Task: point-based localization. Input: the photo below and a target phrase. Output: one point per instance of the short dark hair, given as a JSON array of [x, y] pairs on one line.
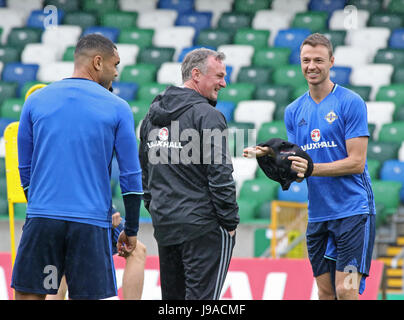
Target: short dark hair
[[316, 39], [96, 42]]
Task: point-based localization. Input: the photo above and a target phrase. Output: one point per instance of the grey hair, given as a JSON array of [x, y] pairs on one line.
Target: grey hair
[[198, 59]]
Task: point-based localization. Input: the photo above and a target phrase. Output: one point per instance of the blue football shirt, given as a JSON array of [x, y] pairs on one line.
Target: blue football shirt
[[321, 130], [67, 136]]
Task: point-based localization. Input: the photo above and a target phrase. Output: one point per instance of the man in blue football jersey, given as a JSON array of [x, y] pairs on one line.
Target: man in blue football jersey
[[68, 133], [329, 122]]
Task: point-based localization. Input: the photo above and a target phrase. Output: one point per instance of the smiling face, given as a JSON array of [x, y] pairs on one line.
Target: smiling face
[[316, 64], [210, 82]]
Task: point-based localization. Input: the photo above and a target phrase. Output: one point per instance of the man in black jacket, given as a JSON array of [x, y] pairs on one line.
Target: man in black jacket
[[188, 184]]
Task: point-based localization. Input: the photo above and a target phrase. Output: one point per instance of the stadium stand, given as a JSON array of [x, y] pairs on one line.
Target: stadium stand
[[261, 40]]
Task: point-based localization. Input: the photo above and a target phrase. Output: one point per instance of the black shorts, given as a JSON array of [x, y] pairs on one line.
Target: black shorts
[[196, 269], [50, 248]]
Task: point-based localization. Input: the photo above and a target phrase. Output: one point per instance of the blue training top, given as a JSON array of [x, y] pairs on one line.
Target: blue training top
[[67, 135], [321, 130]]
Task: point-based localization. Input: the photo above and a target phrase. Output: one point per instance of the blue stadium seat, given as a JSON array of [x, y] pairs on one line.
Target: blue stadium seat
[[291, 38], [397, 39], [393, 170], [180, 5], [294, 57], [198, 20], [109, 32], [340, 75], [36, 18], [20, 73], [327, 5], [2, 3], [184, 51], [4, 122], [227, 108], [297, 192], [125, 90]]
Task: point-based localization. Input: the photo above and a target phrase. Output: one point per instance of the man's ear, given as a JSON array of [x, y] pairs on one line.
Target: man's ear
[[196, 74], [97, 62]]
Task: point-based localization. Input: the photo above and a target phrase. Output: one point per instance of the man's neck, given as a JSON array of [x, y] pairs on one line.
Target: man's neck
[[319, 92]]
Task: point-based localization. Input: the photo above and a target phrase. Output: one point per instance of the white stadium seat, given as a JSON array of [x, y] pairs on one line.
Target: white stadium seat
[[61, 36], [137, 5], [40, 53], [374, 75], [25, 6], [401, 152], [348, 56], [256, 111], [55, 71], [237, 56], [10, 18], [346, 20], [127, 54], [178, 37], [156, 19], [216, 7], [1, 68], [293, 6], [370, 38], [279, 20], [379, 113], [170, 73], [243, 169]]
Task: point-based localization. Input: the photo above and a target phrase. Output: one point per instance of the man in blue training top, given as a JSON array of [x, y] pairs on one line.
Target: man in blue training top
[[67, 136], [329, 122]]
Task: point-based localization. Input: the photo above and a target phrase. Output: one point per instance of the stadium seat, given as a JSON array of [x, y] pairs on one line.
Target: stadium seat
[[138, 5], [251, 6], [119, 19], [261, 190], [291, 38], [297, 192], [216, 7], [279, 20], [177, 37], [233, 21], [25, 6], [263, 213], [186, 50], [280, 94], [338, 20], [273, 129], [373, 168], [108, 32], [384, 19], [68, 55], [237, 56], [328, 6], [39, 53], [246, 210], [401, 153], [55, 71], [337, 37], [382, 151], [372, 129], [170, 73], [127, 54], [9, 19], [289, 75], [139, 109], [312, 20], [393, 93], [243, 169], [392, 170], [148, 91], [143, 38], [363, 91], [9, 54], [397, 39], [213, 38], [227, 108], [340, 75], [348, 56], [197, 20], [380, 113], [7, 90], [100, 6], [255, 75], [369, 5], [241, 135], [11, 108], [271, 57], [370, 38], [396, 6], [394, 57], [140, 73], [374, 75], [178, 5], [80, 18], [236, 92], [292, 6], [19, 72], [162, 18], [392, 132], [294, 57], [19, 37], [255, 111], [66, 6], [61, 37], [387, 193], [256, 38], [125, 90], [40, 19], [156, 55], [398, 75]]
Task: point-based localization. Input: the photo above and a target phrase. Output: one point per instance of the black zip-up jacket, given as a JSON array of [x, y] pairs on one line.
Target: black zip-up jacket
[[187, 179]]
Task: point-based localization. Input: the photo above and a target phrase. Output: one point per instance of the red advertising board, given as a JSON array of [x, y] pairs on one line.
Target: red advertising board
[[248, 279]]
